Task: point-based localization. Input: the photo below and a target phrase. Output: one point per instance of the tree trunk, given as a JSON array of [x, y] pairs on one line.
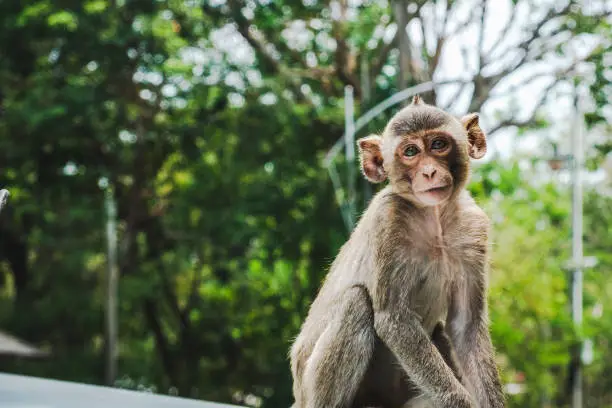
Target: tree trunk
[[400, 10]]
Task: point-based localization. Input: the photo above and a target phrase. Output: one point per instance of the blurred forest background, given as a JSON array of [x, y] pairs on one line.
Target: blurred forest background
[[210, 119]]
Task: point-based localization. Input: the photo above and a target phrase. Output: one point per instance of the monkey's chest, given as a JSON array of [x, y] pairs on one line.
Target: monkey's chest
[[423, 286], [430, 298], [437, 270]]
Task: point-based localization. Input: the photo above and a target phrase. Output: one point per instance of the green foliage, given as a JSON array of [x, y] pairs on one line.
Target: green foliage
[[528, 285], [227, 221]]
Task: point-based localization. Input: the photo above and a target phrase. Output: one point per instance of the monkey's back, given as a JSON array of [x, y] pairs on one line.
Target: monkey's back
[[354, 265]]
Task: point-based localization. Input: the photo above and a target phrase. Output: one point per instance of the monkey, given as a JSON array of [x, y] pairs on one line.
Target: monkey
[[367, 395], [418, 255], [443, 343]]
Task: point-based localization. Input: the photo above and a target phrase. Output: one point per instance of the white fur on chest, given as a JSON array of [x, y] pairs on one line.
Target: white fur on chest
[[442, 269], [437, 292]]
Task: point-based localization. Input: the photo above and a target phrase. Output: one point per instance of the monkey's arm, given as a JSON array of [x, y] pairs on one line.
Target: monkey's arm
[[470, 335], [335, 367], [418, 356]]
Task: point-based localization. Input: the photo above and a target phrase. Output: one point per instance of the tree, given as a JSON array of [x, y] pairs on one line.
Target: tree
[[210, 120]]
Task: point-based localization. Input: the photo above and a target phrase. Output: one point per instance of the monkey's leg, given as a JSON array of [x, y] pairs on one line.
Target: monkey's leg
[[440, 339], [418, 356], [341, 355]]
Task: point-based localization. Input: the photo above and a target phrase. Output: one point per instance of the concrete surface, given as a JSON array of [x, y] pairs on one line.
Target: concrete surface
[[30, 392]]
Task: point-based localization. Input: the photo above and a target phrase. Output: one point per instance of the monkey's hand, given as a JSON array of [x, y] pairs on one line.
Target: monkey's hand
[[405, 337]]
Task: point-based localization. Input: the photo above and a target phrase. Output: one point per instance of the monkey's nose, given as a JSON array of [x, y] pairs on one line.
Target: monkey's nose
[[429, 172]]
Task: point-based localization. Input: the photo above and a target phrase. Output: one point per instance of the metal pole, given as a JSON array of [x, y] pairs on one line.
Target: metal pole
[[349, 134], [577, 250], [366, 94], [111, 288], [4, 195]]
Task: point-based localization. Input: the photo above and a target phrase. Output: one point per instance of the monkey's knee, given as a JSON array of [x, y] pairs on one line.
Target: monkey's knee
[[299, 354], [358, 304], [342, 354]]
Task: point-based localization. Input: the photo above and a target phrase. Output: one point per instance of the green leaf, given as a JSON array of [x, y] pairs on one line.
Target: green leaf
[[63, 18]]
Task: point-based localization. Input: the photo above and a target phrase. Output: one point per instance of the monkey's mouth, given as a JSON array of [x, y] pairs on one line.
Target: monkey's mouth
[[435, 190], [434, 195]]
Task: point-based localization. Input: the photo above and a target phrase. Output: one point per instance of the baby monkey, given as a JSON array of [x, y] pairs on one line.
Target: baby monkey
[[417, 257]]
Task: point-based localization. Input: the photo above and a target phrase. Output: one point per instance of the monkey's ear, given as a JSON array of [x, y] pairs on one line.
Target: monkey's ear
[[371, 158], [477, 139]]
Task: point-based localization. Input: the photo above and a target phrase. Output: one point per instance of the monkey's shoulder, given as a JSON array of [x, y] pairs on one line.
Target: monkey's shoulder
[[468, 214]]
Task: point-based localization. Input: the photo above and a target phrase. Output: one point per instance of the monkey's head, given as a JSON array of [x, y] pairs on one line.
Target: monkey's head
[[424, 152]]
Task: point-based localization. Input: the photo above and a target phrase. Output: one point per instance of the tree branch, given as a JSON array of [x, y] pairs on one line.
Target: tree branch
[[345, 61], [261, 49], [435, 60], [483, 15], [402, 19], [382, 53], [486, 84], [455, 96], [535, 32], [163, 348], [442, 29], [316, 73], [440, 41], [558, 76], [193, 291], [531, 120], [424, 50], [173, 301], [533, 77], [463, 24], [505, 30]]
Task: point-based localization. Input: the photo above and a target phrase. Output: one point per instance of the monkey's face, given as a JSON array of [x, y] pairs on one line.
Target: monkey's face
[[423, 167], [424, 153]]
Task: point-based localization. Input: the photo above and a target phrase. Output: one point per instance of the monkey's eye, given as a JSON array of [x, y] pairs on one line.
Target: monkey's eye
[[439, 144], [411, 151]]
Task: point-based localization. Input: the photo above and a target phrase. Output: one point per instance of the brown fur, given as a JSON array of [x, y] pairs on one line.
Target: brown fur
[[372, 335]]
